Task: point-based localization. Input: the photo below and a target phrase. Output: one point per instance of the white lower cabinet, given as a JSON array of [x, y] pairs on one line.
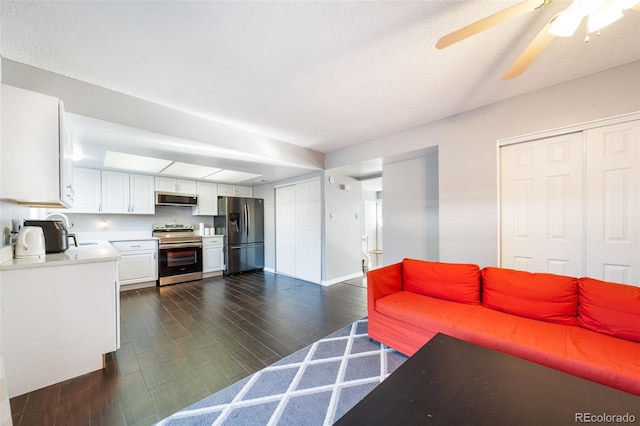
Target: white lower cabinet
[[139, 263], [57, 322], [212, 254]]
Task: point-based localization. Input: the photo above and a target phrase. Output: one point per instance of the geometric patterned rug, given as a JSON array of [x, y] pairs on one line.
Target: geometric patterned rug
[[314, 386]]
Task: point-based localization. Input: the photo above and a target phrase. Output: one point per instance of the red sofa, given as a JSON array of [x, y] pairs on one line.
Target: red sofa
[[585, 327]]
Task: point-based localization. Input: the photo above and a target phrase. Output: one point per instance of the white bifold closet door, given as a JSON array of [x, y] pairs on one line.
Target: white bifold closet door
[[570, 204], [299, 230], [542, 205], [613, 203]]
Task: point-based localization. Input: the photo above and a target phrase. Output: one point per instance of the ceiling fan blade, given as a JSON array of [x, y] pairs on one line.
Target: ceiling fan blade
[[490, 21], [532, 51]]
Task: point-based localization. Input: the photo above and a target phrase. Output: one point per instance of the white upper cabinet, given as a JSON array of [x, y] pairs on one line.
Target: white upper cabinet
[[182, 186], [141, 194], [35, 153], [127, 193], [207, 199], [88, 191], [115, 192], [225, 190]]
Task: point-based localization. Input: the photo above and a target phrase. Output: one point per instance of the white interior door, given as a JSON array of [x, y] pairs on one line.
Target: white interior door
[[542, 205], [612, 203], [308, 231], [286, 230]]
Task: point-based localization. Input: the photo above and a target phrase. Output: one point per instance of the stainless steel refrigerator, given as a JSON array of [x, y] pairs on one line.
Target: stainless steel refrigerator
[[241, 221]]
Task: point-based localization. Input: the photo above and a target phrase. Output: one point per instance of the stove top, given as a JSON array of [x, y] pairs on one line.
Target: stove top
[[175, 233], [174, 227]]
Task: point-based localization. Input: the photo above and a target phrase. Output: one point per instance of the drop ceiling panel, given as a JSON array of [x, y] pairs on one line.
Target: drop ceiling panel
[[193, 171]]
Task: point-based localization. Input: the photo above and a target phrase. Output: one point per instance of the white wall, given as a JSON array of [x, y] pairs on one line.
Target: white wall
[[410, 209], [343, 254], [468, 191]]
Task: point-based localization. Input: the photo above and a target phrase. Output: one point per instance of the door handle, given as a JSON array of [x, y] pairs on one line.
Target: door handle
[[246, 209]]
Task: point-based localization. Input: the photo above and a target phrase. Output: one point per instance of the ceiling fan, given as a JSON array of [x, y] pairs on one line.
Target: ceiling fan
[[599, 14]]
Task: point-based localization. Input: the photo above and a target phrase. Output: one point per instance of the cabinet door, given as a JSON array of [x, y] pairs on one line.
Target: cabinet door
[[244, 191], [165, 184], [226, 190], [219, 258], [142, 195], [207, 199], [208, 258], [30, 147], [67, 188], [186, 186], [115, 192], [87, 190], [137, 267]]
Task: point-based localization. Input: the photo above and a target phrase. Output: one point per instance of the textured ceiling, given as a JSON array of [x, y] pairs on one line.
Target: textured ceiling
[[322, 75]]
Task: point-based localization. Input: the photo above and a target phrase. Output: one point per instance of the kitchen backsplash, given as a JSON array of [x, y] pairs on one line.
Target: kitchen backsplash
[[10, 211], [101, 222], [133, 222]]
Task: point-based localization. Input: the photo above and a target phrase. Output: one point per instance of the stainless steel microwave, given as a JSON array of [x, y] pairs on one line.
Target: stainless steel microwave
[[169, 199]]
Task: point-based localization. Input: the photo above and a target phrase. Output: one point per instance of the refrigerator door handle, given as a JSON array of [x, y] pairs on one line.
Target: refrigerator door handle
[[246, 207]]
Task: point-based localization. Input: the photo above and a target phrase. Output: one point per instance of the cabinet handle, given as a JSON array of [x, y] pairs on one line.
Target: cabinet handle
[[136, 245]]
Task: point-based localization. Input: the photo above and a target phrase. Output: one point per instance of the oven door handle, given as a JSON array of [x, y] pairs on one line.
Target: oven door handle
[[180, 245]]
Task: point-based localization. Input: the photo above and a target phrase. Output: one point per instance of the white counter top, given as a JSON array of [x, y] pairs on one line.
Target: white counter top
[[100, 251]]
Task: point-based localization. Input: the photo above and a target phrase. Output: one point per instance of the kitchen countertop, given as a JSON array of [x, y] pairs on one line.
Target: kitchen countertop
[[100, 251], [114, 236]]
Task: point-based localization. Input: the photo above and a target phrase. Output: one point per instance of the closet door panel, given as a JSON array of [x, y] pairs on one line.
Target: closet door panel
[[286, 230], [541, 213], [613, 203]]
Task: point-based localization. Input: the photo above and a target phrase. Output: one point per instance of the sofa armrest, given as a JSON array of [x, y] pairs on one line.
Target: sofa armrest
[[383, 282]]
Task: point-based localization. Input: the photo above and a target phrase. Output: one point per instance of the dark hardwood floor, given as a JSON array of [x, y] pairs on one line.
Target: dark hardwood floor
[[184, 342]]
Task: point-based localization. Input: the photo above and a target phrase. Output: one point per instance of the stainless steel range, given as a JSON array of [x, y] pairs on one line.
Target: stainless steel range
[[180, 256]]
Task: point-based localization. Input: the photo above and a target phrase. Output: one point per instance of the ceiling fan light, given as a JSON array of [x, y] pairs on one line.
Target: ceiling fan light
[[565, 24], [606, 15]]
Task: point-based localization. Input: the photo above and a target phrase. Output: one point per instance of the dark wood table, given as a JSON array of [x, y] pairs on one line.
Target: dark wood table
[[453, 382]]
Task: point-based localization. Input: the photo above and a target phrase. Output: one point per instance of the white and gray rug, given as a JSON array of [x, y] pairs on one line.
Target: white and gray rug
[[314, 386]]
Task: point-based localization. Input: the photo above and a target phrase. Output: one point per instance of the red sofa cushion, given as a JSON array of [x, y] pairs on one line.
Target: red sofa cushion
[[545, 297], [450, 281], [609, 308]]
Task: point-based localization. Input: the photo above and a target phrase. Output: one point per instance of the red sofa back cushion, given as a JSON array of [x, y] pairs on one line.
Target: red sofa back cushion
[[451, 281], [545, 297], [609, 308]]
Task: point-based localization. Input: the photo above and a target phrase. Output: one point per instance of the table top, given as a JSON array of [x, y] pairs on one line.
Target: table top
[[453, 382]]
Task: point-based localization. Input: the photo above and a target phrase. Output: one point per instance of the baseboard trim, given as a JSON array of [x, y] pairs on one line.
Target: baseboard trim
[[273, 271], [341, 279]]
